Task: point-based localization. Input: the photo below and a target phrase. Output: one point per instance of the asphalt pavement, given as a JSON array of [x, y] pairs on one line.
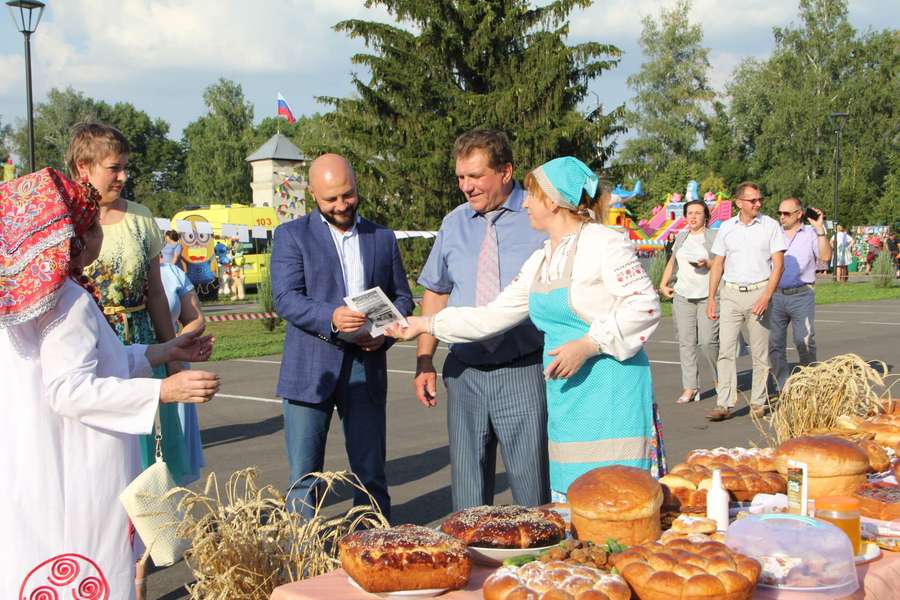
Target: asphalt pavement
[[242, 426]]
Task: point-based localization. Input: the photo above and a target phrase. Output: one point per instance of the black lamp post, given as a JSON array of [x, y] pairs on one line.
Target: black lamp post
[[838, 119], [26, 14]]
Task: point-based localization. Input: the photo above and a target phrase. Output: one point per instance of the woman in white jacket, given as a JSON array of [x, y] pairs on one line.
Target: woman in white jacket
[[587, 292], [73, 410]]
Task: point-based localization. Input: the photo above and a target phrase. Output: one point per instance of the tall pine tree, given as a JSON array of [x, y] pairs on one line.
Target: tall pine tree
[[461, 65]]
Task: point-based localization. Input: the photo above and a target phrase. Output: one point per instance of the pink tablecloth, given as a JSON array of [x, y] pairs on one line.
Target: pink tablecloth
[[879, 580]]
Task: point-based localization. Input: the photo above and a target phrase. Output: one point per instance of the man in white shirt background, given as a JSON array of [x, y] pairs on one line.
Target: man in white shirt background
[[749, 256]]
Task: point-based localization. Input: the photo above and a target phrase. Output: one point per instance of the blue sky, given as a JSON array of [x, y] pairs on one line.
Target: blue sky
[[160, 54]]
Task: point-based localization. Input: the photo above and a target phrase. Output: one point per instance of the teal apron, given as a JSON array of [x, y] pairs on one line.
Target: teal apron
[[604, 414]]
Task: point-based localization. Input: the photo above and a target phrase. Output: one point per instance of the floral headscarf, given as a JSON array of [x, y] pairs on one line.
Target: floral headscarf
[[40, 213]]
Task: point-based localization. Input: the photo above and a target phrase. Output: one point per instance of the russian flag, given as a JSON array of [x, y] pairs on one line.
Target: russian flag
[[284, 109]]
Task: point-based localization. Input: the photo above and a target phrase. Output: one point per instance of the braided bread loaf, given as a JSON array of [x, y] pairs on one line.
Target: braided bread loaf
[[506, 527], [682, 570], [554, 581], [758, 459], [742, 482]]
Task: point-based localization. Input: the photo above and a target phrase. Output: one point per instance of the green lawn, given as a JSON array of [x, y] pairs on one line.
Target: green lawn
[[244, 339]]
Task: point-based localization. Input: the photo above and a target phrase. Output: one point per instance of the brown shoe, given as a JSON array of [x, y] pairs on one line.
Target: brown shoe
[[759, 411], [719, 413]]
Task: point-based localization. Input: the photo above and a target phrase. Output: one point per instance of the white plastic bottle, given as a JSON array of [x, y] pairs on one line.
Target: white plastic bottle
[[717, 502]]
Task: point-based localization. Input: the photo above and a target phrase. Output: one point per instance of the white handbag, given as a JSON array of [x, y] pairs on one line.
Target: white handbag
[[153, 513]]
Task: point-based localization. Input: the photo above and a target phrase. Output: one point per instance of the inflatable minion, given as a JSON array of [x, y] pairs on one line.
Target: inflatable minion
[[198, 254]]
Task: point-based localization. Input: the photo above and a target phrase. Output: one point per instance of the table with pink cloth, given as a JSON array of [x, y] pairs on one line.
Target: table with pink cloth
[[879, 580]]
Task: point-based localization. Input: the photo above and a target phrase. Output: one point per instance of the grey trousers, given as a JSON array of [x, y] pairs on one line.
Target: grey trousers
[[798, 310], [486, 406], [734, 312], [695, 332]]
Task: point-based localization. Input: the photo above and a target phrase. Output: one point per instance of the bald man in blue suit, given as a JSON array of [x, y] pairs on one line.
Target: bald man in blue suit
[[328, 362]]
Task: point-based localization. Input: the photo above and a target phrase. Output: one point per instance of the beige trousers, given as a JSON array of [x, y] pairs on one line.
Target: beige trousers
[[734, 312]]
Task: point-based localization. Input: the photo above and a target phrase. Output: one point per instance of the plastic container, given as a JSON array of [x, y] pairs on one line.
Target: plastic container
[[843, 513], [717, 499], [800, 556]]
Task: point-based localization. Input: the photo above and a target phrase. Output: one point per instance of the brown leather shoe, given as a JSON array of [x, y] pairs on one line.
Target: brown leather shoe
[[719, 413], [759, 411]]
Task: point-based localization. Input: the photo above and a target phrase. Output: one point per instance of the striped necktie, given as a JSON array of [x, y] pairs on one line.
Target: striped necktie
[[487, 279]]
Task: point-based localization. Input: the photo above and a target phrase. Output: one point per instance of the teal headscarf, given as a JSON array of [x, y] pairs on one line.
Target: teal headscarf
[[564, 179]]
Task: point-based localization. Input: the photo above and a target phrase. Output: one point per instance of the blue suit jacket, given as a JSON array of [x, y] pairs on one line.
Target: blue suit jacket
[[307, 285]]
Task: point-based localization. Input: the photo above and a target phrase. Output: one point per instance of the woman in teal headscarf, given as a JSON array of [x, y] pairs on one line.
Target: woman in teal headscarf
[[587, 292]]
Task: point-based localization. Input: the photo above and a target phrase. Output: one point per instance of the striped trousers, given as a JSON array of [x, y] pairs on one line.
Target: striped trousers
[[491, 405]]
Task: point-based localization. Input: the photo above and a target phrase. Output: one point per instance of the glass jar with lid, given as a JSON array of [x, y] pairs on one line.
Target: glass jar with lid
[[843, 513]]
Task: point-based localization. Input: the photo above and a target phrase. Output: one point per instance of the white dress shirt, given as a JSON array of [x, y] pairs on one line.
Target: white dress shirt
[[347, 245], [748, 249], [610, 290]]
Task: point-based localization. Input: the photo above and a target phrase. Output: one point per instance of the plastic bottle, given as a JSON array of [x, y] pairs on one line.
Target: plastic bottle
[[717, 502]]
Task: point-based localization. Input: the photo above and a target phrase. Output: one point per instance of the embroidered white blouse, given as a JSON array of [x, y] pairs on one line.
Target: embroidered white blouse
[[610, 290], [69, 448]]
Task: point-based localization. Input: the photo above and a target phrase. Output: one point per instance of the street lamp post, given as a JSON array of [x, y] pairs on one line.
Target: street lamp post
[[838, 119], [23, 15]]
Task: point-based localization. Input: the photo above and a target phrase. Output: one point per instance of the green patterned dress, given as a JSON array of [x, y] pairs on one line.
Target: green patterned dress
[[122, 276]]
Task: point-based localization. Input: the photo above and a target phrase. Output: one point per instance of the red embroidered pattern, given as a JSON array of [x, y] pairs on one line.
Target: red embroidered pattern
[[64, 576], [629, 272], [37, 214]]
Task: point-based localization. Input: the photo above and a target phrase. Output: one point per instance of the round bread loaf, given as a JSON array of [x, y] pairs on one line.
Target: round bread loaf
[[506, 527], [835, 467], [407, 557], [685, 569], [554, 580], [616, 502]]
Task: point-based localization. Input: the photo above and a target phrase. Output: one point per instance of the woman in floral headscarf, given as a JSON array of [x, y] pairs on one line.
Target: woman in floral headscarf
[[587, 292], [71, 411]]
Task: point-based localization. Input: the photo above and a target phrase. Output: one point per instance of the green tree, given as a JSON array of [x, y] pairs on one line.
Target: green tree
[[311, 134], [155, 160], [5, 135], [53, 122], [217, 144], [671, 99], [780, 110], [461, 65]]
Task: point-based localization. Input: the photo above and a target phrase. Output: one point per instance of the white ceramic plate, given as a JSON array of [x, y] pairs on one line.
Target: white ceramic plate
[[870, 552], [494, 556], [430, 593]]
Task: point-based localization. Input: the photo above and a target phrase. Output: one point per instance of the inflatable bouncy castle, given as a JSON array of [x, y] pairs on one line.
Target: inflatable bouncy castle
[[650, 234]]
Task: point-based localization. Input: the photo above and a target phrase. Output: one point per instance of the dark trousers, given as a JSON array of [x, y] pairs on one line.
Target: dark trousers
[[363, 419]]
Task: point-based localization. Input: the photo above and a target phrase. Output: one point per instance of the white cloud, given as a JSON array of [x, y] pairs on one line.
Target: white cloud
[[12, 73], [160, 54], [88, 42]]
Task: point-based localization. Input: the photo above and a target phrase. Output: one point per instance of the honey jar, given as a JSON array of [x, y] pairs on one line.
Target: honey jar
[[843, 513]]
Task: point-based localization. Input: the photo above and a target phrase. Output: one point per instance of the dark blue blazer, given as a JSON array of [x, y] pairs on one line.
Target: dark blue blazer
[[307, 285]]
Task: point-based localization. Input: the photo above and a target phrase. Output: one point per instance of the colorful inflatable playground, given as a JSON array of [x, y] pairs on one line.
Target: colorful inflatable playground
[[649, 235]]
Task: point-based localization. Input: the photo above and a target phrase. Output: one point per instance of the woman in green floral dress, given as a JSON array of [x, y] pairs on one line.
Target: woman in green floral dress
[[126, 274]]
